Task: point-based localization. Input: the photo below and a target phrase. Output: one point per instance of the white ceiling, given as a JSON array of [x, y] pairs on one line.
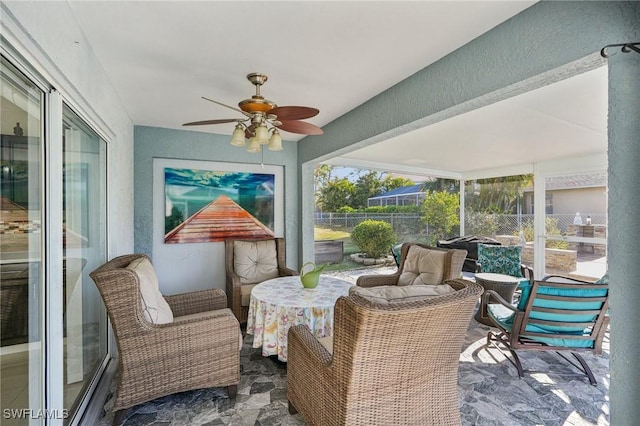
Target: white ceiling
[[163, 56]]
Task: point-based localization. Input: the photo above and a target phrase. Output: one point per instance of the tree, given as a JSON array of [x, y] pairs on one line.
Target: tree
[[389, 183], [496, 195], [337, 193], [322, 175], [368, 185], [441, 214], [440, 184]]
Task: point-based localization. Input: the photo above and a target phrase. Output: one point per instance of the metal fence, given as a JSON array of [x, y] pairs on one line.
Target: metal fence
[[481, 224]]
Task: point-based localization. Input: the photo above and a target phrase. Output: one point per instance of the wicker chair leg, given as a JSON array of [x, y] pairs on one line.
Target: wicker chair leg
[[118, 417], [232, 391], [292, 409]]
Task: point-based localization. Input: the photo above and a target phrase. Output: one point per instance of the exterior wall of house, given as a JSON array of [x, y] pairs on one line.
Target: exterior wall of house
[[583, 200], [545, 43], [203, 266], [569, 201]]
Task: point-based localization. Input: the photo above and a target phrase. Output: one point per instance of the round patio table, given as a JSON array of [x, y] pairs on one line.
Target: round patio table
[[504, 285], [280, 303]]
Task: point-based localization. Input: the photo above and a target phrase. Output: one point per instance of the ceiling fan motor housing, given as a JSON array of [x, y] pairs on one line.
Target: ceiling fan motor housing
[[256, 104]]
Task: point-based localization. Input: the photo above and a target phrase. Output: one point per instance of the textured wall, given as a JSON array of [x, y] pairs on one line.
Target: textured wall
[[624, 233], [204, 266]]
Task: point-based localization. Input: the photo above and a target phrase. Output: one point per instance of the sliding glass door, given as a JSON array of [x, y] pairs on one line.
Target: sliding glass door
[[21, 246], [84, 249], [53, 233]]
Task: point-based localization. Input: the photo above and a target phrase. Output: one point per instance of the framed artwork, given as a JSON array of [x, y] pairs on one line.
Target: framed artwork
[[207, 205], [209, 201]]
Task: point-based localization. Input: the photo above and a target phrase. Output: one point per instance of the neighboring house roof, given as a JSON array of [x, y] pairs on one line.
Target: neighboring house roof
[[593, 180], [404, 190]]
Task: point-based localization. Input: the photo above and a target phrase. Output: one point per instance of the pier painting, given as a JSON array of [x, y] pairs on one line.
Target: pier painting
[[206, 206]]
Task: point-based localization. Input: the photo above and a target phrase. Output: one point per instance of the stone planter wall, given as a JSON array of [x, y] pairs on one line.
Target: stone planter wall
[[555, 259]]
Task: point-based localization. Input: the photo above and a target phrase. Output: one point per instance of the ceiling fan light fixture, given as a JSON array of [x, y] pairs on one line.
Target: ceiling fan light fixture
[[254, 145], [275, 143], [262, 134], [237, 137]]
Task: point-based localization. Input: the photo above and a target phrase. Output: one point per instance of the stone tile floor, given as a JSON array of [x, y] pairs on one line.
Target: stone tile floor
[[490, 392]]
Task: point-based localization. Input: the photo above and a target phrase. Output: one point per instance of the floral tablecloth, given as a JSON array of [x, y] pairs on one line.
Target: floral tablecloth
[[280, 303]]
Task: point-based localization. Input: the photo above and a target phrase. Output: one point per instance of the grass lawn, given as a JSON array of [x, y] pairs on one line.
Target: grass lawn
[[329, 234]]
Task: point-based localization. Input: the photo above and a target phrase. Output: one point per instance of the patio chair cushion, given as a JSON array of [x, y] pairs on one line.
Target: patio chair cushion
[[500, 259], [504, 317], [255, 261], [423, 266], [526, 291], [156, 310], [390, 294]]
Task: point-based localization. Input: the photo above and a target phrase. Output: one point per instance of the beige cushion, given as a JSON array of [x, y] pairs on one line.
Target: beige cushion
[[155, 309], [327, 342], [423, 266], [255, 261], [245, 293], [392, 294]]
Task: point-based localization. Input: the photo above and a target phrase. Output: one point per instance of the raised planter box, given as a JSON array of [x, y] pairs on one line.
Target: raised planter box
[[328, 251], [555, 259]]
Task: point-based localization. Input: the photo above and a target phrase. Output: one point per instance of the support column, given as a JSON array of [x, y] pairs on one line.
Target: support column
[[624, 226]]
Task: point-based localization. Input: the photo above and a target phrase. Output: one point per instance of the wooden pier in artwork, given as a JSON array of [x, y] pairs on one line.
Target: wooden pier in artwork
[[220, 219]]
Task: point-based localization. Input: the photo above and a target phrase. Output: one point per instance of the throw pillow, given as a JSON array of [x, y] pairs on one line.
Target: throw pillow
[[255, 261], [423, 266], [156, 310], [500, 259]]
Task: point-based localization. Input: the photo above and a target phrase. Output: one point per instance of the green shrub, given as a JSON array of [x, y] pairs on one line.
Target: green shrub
[[374, 237], [551, 228], [346, 209]]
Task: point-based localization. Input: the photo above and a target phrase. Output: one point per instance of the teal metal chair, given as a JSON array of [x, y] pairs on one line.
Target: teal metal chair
[[568, 316]]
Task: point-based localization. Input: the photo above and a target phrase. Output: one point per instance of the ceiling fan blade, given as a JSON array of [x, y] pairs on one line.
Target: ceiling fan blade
[[227, 106], [293, 112], [202, 123], [300, 127]]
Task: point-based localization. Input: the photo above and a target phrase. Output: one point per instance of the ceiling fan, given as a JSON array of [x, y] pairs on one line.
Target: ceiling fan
[[261, 117]]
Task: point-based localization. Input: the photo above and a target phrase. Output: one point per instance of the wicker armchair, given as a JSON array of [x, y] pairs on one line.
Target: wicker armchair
[[393, 364], [261, 259], [436, 264], [199, 349]]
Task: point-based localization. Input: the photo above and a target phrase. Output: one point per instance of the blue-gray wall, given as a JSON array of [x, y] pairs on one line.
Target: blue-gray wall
[[545, 43], [205, 259]]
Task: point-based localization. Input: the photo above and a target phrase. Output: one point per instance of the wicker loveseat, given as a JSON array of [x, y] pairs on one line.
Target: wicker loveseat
[[198, 348], [390, 363]]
